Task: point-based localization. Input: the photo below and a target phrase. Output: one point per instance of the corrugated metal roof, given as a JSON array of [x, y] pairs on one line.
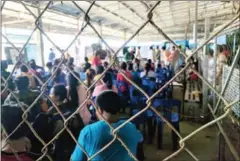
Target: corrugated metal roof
[[115, 16]]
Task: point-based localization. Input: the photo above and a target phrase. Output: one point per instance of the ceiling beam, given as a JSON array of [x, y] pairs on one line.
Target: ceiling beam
[[132, 10], [113, 13]]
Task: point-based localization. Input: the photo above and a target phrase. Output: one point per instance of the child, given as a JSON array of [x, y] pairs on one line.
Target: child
[[95, 136]]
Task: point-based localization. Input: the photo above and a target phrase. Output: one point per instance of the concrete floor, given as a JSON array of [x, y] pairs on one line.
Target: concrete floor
[[203, 145]]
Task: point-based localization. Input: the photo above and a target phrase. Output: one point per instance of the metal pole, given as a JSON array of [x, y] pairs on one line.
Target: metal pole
[[205, 70], [215, 68], [100, 29], [196, 24], [40, 39]]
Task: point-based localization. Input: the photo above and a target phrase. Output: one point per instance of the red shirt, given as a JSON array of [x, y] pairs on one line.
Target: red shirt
[[120, 77], [11, 157], [96, 61]]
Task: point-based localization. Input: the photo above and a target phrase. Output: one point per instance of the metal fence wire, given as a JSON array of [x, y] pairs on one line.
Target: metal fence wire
[[87, 22]]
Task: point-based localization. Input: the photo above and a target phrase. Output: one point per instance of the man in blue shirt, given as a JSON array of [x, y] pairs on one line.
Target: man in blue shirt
[[95, 136], [51, 56]]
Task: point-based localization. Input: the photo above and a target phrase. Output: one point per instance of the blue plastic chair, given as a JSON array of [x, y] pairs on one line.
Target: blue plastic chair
[[150, 84], [172, 117]]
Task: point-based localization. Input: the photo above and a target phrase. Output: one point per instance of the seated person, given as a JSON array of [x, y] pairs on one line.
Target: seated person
[[121, 78], [107, 84], [83, 95], [27, 96], [95, 136], [135, 74], [99, 71], [148, 72], [17, 142], [25, 72]]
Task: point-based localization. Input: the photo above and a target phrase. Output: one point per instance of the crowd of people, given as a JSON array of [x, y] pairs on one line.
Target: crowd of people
[[64, 91]]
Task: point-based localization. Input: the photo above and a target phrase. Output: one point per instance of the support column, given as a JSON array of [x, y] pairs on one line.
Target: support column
[[100, 31], [195, 24], [215, 67], [40, 40], [205, 71]]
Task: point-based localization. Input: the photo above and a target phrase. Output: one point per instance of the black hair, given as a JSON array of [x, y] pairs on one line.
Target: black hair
[[105, 64], [99, 69], [210, 52], [157, 47], [159, 66], [151, 47], [60, 91], [32, 64], [107, 79], [49, 65], [23, 68], [86, 59], [109, 102], [90, 73], [123, 66], [139, 47], [22, 83], [11, 117], [163, 47], [147, 68], [174, 47], [130, 66], [73, 83], [220, 48], [149, 61], [56, 62]]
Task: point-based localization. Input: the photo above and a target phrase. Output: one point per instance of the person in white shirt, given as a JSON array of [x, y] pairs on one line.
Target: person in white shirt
[[138, 53], [211, 67], [151, 54], [221, 60], [147, 73], [188, 51]]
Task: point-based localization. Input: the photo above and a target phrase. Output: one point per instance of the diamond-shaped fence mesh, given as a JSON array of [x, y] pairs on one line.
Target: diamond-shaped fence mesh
[[149, 98]]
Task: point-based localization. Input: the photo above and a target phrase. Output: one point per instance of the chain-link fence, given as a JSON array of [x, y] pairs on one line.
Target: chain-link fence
[[87, 22]]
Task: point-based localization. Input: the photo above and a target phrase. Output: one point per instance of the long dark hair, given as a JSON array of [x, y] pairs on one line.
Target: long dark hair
[[147, 68], [107, 79], [89, 76], [73, 83]]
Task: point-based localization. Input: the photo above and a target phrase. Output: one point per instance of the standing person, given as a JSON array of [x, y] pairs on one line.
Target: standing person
[[211, 67], [96, 60], [95, 136], [51, 56], [158, 54], [151, 54], [87, 65], [221, 61], [174, 58], [188, 51], [165, 54], [138, 54]]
